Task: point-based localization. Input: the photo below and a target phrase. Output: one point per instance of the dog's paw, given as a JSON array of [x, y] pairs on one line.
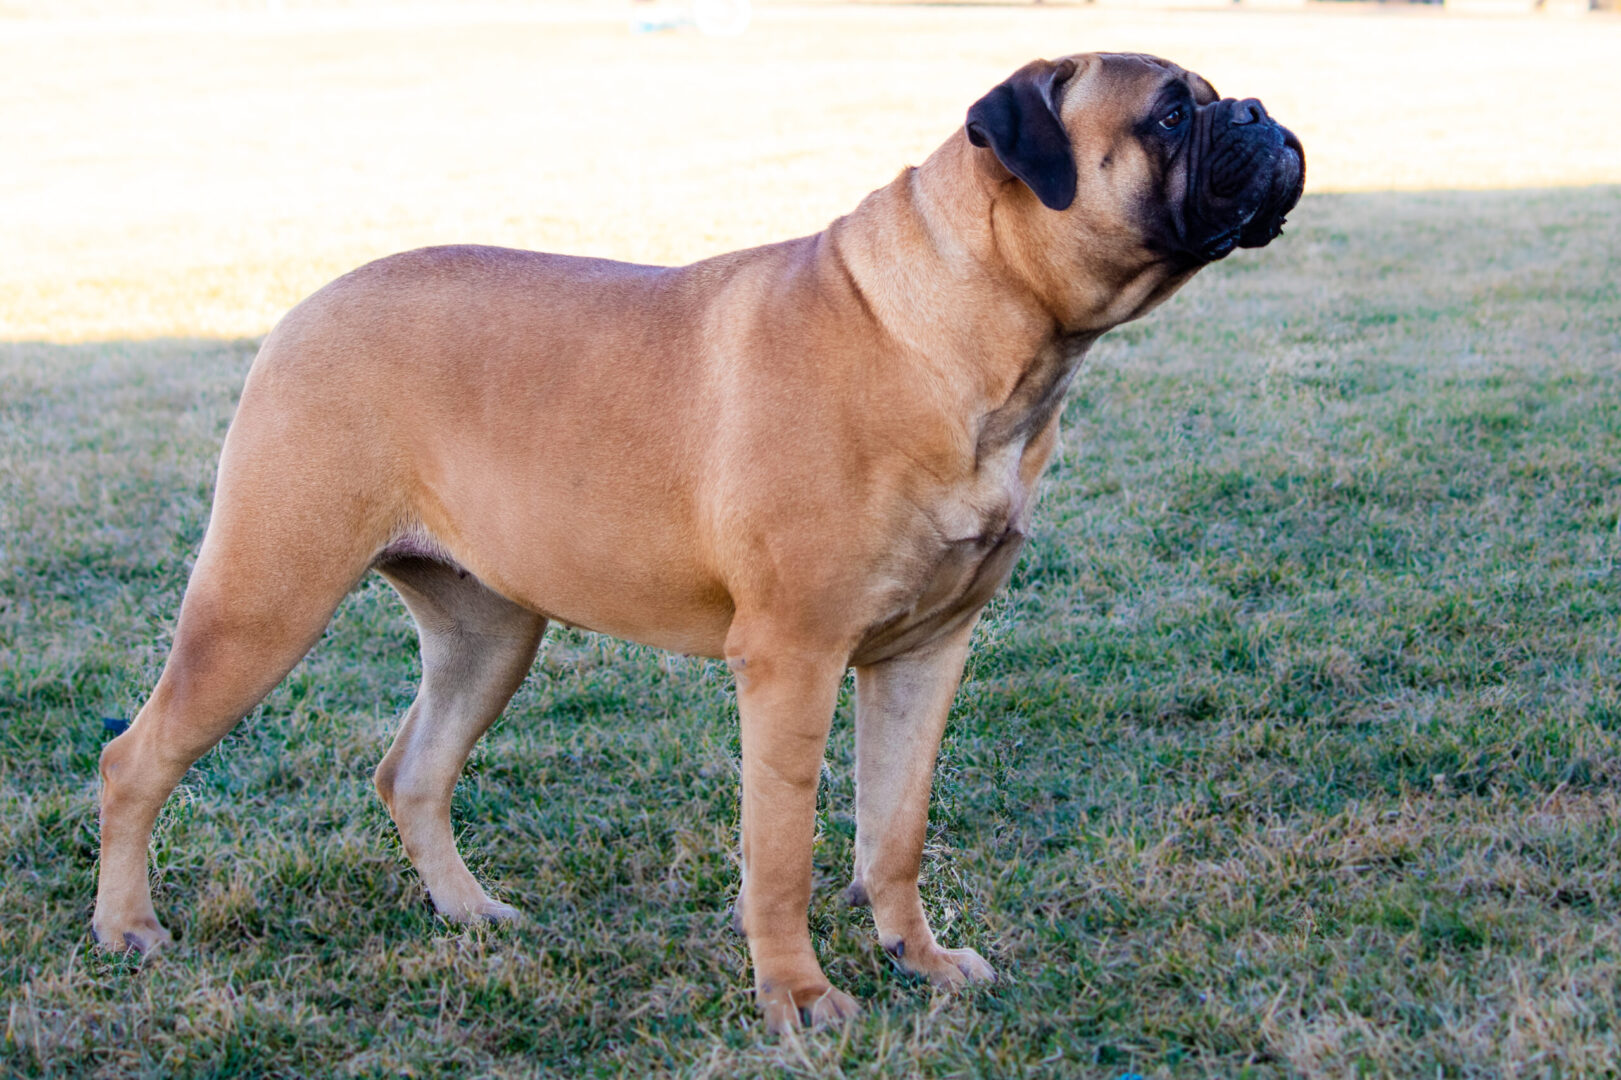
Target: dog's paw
[[495, 912], [466, 902], [786, 1010], [482, 910], [144, 936], [947, 969]]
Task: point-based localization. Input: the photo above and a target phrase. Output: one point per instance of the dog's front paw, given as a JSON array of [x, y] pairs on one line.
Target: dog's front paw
[[493, 911], [144, 935], [948, 969], [816, 1005], [480, 909]]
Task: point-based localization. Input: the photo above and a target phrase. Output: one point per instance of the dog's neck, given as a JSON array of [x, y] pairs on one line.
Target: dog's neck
[[1010, 355]]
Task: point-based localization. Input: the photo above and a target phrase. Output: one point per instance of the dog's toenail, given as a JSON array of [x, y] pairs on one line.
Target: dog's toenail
[[896, 950]]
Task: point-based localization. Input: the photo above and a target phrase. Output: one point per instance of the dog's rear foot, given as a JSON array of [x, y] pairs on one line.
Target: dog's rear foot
[[143, 935]]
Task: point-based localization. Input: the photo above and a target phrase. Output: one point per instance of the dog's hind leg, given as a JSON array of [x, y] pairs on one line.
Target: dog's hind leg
[[279, 555], [476, 649]]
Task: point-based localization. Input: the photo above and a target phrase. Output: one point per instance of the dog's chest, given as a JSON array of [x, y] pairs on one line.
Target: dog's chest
[[964, 550], [990, 502]]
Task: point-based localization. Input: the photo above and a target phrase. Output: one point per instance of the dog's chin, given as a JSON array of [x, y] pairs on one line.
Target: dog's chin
[[1288, 182], [1261, 221]]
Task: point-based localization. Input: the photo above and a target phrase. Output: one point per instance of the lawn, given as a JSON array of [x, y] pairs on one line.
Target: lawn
[[1291, 750]]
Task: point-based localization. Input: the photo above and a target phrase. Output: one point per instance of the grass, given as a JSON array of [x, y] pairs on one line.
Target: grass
[[1291, 750]]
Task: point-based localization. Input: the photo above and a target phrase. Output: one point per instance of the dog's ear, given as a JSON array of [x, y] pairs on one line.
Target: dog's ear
[[1019, 121]]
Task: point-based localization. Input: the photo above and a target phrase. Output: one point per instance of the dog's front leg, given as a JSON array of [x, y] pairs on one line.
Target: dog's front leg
[[785, 696], [901, 709]]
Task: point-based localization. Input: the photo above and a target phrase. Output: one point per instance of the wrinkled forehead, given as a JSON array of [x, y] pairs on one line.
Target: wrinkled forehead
[[1130, 77]]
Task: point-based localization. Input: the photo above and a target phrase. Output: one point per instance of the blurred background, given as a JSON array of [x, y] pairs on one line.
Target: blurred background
[[193, 167]]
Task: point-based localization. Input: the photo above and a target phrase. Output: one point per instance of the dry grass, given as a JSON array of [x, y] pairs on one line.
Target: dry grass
[[1291, 751]]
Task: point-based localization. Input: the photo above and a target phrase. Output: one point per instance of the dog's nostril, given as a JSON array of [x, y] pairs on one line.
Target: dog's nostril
[[1248, 111]]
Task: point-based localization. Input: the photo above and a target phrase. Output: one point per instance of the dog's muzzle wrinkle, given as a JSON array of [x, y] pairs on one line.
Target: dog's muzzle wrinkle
[[1249, 172]]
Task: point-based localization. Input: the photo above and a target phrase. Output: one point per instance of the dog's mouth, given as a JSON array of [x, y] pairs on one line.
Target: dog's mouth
[[1249, 171]]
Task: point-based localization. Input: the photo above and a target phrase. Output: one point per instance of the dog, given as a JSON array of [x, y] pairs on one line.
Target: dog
[[802, 458]]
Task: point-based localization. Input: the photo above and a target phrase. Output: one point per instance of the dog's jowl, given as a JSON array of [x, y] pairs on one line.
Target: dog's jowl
[[802, 458]]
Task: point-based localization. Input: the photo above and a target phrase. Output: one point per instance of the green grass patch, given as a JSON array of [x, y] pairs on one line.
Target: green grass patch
[[1291, 750]]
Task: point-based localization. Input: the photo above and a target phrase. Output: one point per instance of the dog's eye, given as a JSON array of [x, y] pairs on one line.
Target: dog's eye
[[1172, 119]]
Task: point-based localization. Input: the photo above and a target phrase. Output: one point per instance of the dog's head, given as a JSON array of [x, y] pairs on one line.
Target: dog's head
[[1119, 161]]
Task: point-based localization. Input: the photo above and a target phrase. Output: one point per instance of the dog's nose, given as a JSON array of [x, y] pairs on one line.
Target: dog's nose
[[1248, 111]]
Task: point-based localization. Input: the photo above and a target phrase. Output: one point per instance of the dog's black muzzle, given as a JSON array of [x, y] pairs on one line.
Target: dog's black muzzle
[[1248, 171]]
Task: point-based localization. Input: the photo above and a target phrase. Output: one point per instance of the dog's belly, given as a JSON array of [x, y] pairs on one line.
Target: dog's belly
[[580, 570], [691, 620]]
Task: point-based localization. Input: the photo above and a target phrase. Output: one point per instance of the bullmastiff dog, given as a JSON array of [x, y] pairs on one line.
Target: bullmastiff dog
[[802, 458]]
